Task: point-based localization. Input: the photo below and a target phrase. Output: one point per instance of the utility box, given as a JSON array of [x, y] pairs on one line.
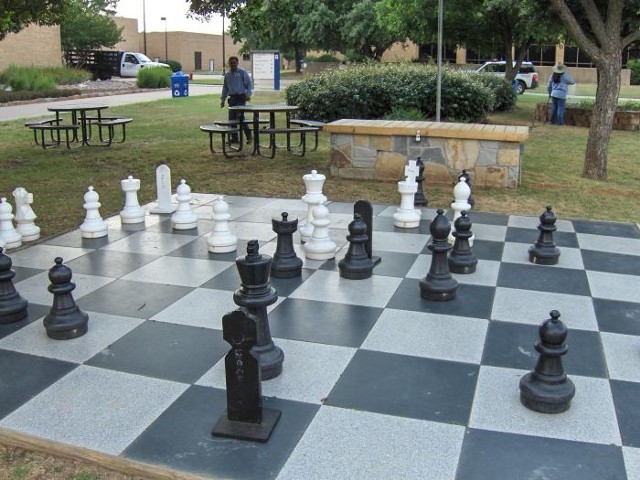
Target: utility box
[[179, 85]]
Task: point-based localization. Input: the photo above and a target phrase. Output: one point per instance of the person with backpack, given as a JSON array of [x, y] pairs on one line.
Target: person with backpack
[[557, 87]]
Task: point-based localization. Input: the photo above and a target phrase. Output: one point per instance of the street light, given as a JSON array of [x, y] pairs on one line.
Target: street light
[[224, 58], [166, 43], [144, 25]]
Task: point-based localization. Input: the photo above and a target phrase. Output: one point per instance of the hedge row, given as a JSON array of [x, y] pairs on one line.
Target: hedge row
[[375, 90]]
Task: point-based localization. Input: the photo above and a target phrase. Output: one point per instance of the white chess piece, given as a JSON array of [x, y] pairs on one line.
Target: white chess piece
[[221, 240], [320, 246], [132, 211], [163, 190], [313, 182], [406, 215], [184, 218], [8, 234], [93, 226], [461, 194], [25, 216]]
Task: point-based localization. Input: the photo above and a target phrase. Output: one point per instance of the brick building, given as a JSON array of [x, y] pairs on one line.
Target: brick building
[[34, 45]]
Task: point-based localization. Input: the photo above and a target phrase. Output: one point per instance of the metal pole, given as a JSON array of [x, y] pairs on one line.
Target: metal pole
[[166, 43], [144, 25], [224, 55], [439, 70]]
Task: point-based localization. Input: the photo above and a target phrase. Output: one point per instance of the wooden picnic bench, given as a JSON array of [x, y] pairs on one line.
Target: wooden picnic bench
[[53, 128]]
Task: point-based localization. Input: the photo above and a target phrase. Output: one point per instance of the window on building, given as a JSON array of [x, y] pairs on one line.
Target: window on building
[[246, 57], [197, 60]]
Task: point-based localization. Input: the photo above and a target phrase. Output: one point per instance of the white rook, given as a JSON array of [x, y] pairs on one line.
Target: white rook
[[163, 189], [132, 211]]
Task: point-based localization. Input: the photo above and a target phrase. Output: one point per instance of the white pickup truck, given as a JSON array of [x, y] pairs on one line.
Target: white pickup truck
[[104, 63], [132, 62]]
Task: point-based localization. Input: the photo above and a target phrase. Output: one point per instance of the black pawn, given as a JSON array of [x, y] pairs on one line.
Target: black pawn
[[244, 417], [544, 251], [255, 294], [467, 179], [547, 389], [286, 263], [462, 259], [439, 285], [419, 200], [356, 265], [65, 320], [13, 307]]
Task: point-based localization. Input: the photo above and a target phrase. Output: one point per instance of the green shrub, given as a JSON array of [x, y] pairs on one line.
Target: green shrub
[[634, 66], [154, 77], [175, 65], [325, 57], [31, 95], [505, 96], [40, 78], [402, 113], [374, 90]]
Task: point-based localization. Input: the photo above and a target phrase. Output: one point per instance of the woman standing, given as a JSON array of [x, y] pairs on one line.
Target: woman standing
[[557, 87]]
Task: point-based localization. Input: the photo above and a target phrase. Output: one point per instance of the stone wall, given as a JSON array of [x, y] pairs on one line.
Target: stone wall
[[581, 117], [491, 162]]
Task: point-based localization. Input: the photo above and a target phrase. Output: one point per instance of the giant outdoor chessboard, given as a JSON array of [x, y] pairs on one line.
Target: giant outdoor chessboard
[[377, 383]]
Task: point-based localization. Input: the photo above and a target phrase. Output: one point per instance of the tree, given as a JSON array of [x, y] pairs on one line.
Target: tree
[[87, 25], [496, 26], [17, 14], [602, 29]]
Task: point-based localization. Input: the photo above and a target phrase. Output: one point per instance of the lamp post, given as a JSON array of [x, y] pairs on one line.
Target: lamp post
[[224, 56], [144, 25], [166, 43], [439, 70]]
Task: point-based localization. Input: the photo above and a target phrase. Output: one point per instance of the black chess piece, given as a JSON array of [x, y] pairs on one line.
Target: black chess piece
[[356, 264], [439, 285], [544, 251], [13, 307], [255, 294], [547, 389], [365, 210], [419, 200], [65, 320], [462, 259], [467, 179], [244, 417], [286, 264]]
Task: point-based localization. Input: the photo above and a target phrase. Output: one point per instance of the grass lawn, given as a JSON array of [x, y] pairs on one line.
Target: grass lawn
[[167, 131]]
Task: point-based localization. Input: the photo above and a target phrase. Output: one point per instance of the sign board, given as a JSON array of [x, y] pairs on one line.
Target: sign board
[[265, 68]]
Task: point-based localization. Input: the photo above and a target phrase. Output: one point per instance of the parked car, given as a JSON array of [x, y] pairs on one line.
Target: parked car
[[527, 76]]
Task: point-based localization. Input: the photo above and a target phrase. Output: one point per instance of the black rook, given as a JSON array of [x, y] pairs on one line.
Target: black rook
[[286, 263]]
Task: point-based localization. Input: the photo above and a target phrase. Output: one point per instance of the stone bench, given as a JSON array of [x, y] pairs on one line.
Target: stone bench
[[379, 150]]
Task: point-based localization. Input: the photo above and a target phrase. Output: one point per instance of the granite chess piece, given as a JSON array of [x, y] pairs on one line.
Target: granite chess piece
[[132, 212], [439, 285], [13, 307], [419, 199], [65, 320], [93, 226], [286, 264], [255, 294], [356, 264], [25, 217], [467, 179], [184, 218], [163, 190], [544, 251], [244, 418], [547, 389], [221, 239], [8, 234], [462, 259]]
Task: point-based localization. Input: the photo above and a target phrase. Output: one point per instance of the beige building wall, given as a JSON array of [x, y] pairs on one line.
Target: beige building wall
[[401, 52], [130, 38], [34, 45], [182, 46]]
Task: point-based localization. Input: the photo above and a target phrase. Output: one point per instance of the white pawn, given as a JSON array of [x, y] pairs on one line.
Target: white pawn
[[406, 215], [132, 211], [461, 194], [25, 216], [184, 218], [313, 197], [221, 240], [93, 226], [8, 234], [320, 246]]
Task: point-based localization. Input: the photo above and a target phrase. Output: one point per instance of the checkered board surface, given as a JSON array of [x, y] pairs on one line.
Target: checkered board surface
[[377, 382]]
